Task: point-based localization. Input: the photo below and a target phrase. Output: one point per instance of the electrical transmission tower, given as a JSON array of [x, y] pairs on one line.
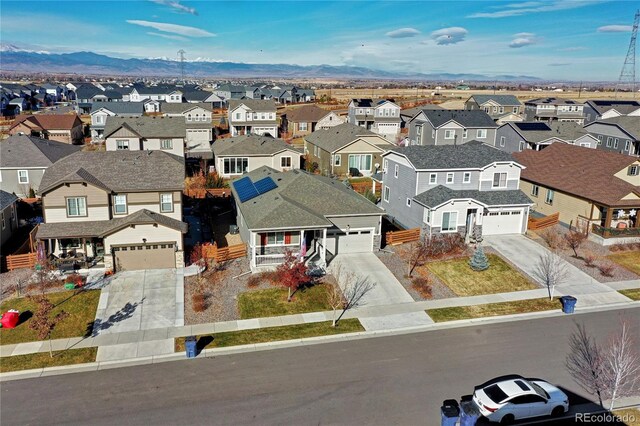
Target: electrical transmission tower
[[181, 52], [628, 73]]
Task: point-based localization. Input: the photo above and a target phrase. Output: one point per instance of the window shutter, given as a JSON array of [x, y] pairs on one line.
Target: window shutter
[[263, 239], [287, 237]]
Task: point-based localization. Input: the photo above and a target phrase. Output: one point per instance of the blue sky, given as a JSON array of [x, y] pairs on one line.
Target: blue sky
[[551, 39]]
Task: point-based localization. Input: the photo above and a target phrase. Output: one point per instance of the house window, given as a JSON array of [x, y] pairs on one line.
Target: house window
[[285, 162], [396, 169], [609, 141], [634, 171], [408, 202], [599, 139], [426, 217], [99, 119], [189, 117], [450, 177], [76, 206], [235, 166], [386, 194], [503, 141], [238, 116], [23, 176], [122, 144], [433, 178], [196, 117], [120, 204], [316, 151], [501, 110], [302, 126], [449, 222], [275, 238], [499, 180], [535, 189], [360, 161], [515, 110], [465, 134], [615, 143], [337, 160], [549, 199], [166, 144], [449, 134], [521, 147], [466, 177], [481, 134], [627, 145], [166, 202]]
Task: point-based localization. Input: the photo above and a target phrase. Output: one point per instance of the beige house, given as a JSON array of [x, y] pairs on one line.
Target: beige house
[[65, 128], [307, 119], [145, 133], [345, 149], [120, 208]]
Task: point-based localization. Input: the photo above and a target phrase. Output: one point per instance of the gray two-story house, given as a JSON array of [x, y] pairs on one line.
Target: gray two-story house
[[451, 127], [552, 109], [100, 111], [619, 134], [516, 137], [502, 108], [600, 109], [380, 116], [470, 189]]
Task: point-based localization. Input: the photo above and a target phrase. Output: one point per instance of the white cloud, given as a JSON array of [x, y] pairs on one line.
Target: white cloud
[[525, 8], [522, 40], [615, 29], [175, 5], [169, 36], [450, 35], [173, 28], [403, 33]]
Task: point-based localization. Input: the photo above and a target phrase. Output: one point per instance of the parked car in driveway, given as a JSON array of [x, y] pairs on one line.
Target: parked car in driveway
[[510, 398]]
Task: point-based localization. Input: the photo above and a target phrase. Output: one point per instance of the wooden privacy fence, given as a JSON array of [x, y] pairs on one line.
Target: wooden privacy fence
[[535, 224], [202, 193], [18, 261], [222, 254], [401, 237], [361, 187]]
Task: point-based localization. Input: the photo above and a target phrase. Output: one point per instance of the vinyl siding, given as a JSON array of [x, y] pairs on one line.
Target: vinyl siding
[[458, 177], [56, 198], [10, 181], [512, 139], [568, 206], [401, 188], [356, 222], [513, 177], [133, 235]]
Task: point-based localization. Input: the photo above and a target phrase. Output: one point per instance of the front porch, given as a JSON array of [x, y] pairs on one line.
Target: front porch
[[268, 249], [68, 254], [613, 225]]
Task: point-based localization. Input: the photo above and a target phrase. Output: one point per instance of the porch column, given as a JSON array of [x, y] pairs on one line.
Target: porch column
[[323, 253], [49, 246], [253, 248]]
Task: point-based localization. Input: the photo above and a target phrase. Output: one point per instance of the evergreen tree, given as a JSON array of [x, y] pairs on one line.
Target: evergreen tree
[[479, 261]]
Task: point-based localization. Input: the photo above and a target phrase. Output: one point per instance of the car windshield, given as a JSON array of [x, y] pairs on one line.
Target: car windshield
[[543, 393], [496, 394]]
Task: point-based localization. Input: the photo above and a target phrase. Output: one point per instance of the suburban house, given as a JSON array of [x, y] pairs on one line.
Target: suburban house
[[515, 137], [17, 106], [306, 119], [65, 128], [202, 96], [346, 149], [471, 189], [155, 93], [551, 109], [24, 159], [313, 216], [9, 216], [230, 91], [84, 94], [101, 111], [145, 133], [618, 134], [501, 108], [198, 127], [600, 109], [408, 113], [252, 116], [451, 127], [121, 208], [243, 154], [381, 116], [591, 189]]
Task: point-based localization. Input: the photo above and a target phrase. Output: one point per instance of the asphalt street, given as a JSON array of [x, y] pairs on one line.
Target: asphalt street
[[397, 380]]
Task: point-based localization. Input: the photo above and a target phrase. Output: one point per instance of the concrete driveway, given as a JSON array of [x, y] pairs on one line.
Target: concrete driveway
[[141, 300]]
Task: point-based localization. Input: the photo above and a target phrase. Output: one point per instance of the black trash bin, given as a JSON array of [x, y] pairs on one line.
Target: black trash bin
[[449, 412], [568, 304], [190, 346], [469, 413]]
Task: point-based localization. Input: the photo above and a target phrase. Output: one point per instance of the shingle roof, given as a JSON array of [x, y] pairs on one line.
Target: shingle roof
[[179, 108], [630, 124], [87, 91], [504, 100], [254, 104], [156, 90], [439, 195], [50, 121], [307, 113], [301, 200], [120, 108], [468, 119], [6, 199], [118, 171], [471, 155], [196, 95], [565, 130], [102, 228], [552, 101], [585, 172], [336, 137], [148, 127], [30, 151], [251, 145], [623, 107]]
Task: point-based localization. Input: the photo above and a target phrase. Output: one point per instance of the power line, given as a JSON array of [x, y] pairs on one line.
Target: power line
[[181, 52], [628, 73]]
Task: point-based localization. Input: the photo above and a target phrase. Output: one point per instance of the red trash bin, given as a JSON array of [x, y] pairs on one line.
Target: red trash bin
[[10, 319]]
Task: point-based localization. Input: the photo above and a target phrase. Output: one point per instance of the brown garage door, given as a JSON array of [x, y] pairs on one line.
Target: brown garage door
[[147, 256]]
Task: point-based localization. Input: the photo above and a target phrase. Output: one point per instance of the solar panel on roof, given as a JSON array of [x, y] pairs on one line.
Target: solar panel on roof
[[245, 189], [265, 185], [532, 126]]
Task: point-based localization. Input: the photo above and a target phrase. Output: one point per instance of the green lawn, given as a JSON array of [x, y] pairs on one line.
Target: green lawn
[[80, 306], [632, 293], [628, 259], [464, 281], [273, 334], [40, 360], [272, 302], [493, 309]]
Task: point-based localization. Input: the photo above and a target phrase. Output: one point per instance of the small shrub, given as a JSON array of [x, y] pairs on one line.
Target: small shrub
[[589, 259], [370, 195], [606, 268], [551, 237], [254, 280], [574, 240], [271, 277], [423, 286], [199, 302]]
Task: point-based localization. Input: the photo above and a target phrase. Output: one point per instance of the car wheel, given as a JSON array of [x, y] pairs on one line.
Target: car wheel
[[507, 419], [557, 412]]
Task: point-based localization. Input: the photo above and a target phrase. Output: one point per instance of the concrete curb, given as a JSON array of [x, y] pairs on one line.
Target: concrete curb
[[307, 341]]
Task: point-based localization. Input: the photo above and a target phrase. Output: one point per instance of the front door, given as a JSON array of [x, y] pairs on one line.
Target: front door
[[471, 220]]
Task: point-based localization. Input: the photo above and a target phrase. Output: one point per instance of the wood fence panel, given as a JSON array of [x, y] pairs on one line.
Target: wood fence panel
[[361, 187], [401, 237], [223, 254], [535, 224], [18, 261]]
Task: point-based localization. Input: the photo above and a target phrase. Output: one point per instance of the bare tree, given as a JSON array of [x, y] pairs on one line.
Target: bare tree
[[43, 320], [551, 270], [574, 240], [585, 362], [21, 278], [354, 288], [335, 299], [416, 253], [621, 367]]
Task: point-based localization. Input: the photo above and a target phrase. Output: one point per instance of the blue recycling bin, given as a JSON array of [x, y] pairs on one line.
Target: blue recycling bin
[[568, 304], [449, 412], [469, 413], [190, 345]]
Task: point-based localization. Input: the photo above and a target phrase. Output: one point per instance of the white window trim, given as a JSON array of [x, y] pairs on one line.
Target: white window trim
[[77, 215], [503, 141], [506, 176], [426, 216], [290, 162], [170, 144], [442, 219], [276, 243], [337, 159], [449, 132], [386, 194], [466, 177], [434, 180], [26, 173], [396, 169], [125, 204], [451, 178], [535, 190], [162, 210], [548, 200], [408, 202], [481, 134]]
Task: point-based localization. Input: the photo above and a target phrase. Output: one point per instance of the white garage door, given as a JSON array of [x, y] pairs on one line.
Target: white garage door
[[146, 256], [351, 242], [504, 222]]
